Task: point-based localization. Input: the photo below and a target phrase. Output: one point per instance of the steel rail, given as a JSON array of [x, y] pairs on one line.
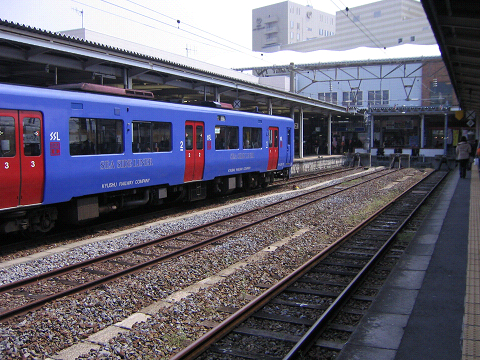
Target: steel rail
[[56, 272], [306, 341], [203, 343], [38, 303]]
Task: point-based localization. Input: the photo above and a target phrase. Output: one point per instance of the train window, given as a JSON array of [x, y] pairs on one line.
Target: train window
[[188, 137], [142, 137], [151, 136], [95, 136], [31, 136], [199, 139], [226, 137], [7, 136], [272, 138], [161, 135], [252, 138]]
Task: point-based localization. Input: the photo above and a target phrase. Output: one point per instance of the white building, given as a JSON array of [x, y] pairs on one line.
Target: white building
[[380, 24], [288, 23]]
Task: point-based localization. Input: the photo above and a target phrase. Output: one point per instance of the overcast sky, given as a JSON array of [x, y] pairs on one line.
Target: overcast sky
[[208, 29]]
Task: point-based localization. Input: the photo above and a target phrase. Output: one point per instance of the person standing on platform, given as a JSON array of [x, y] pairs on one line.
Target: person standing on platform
[[477, 157], [463, 155]]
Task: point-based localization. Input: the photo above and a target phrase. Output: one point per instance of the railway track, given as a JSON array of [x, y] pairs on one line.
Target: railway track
[[12, 244], [294, 318], [29, 294]]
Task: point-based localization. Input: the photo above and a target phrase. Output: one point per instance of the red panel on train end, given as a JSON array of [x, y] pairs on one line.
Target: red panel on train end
[[10, 159]]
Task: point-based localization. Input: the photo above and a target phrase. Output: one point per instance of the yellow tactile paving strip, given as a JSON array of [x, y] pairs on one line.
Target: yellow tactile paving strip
[[471, 319]]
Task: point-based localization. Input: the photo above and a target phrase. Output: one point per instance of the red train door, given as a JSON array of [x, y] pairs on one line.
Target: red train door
[[194, 151], [21, 152], [272, 148], [31, 157], [10, 157]]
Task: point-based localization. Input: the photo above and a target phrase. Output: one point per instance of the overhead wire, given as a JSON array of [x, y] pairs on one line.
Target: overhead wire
[[371, 37], [194, 27], [210, 41]]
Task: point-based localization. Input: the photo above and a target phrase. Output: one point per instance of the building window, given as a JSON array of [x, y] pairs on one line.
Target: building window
[[378, 97], [441, 93], [412, 38], [352, 98], [330, 97], [292, 24], [377, 14], [298, 36], [400, 40], [291, 35]]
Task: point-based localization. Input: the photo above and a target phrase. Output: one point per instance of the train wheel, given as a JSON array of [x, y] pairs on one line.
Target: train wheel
[[43, 220], [46, 223], [251, 181]]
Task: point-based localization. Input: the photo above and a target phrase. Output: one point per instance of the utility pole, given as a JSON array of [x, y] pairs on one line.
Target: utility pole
[[79, 12]]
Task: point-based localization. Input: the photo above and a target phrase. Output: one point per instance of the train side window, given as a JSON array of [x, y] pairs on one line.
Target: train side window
[[142, 137], [252, 138], [109, 136], [161, 136], [151, 136], [226, 137], [7, 136], [95, 136], [82, 136], [31, 136]]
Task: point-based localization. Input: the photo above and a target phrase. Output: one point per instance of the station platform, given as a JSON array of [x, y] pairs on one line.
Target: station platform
[[430, 306], [313, 163]]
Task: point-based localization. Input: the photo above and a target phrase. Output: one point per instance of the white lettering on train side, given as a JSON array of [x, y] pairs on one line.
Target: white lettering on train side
[[125, 163], [125, 183], [241, 156]]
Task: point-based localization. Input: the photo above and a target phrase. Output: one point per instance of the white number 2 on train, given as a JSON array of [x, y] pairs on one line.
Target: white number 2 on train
[[181, 145]]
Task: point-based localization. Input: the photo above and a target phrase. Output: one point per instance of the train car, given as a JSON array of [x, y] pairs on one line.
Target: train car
[[70, 156]]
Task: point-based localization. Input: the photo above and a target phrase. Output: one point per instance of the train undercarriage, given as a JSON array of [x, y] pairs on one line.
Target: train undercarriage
[[79, 210]]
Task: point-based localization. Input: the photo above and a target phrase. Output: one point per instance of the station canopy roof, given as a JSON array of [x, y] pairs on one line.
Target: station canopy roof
[[456, 26], [41, 58]]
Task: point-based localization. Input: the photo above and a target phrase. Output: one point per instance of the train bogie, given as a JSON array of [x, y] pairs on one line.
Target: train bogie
[[79, 155]]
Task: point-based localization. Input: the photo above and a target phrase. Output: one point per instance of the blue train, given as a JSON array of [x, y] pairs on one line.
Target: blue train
[[69, 156]]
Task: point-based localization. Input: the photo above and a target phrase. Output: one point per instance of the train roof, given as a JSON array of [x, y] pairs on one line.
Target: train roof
[[87, 92]]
